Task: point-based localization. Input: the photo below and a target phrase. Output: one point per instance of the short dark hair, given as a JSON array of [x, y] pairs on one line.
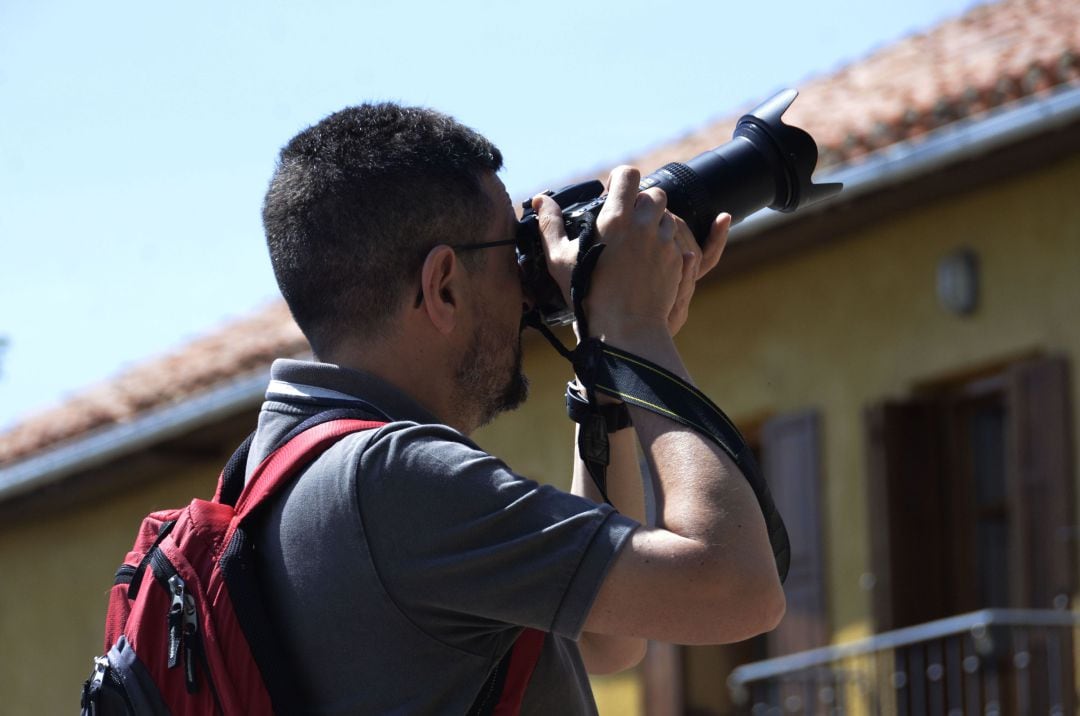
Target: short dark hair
[[356, 203]]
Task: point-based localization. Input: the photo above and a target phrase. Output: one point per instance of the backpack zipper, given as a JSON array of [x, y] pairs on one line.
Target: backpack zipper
[[104, 677], [192, 642], [183, 623], [175, 618]]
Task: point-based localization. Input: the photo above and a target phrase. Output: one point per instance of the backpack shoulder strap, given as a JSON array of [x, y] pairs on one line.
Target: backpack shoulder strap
[[283, 463], [231, 482], [519, 669], [233, 477], [504, 690]]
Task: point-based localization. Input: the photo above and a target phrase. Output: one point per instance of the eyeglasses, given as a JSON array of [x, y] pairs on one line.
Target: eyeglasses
[[469, 247], [484, 245]]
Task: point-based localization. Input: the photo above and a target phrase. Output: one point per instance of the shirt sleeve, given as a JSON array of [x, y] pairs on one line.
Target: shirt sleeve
[[457, 536]]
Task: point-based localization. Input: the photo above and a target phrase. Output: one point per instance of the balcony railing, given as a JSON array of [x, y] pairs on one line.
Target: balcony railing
[[996, 662]]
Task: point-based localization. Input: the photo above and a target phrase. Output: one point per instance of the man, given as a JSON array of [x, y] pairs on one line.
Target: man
[[402, 565]]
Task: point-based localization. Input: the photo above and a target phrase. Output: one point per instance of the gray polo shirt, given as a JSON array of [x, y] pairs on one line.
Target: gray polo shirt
[[401, 565]]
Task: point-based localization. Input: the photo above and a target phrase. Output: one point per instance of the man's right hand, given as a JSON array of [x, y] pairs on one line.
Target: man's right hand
[[651, 263]]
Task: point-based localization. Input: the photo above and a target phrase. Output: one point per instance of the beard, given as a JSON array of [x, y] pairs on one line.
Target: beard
[[489, 379]]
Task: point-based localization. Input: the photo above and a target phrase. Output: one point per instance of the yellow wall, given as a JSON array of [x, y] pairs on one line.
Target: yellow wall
[[55, 573], [836, 328], [854, 322]]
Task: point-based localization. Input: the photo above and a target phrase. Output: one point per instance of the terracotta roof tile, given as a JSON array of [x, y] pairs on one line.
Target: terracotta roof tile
[[240, 347], [992, 55]]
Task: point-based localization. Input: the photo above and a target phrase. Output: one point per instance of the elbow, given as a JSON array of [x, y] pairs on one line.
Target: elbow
[[628, 658], [757, 607], [604, 654], [773, 607], [765, 602]]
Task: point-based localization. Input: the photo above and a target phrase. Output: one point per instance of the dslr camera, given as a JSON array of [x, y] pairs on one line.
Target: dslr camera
[[766, 164]]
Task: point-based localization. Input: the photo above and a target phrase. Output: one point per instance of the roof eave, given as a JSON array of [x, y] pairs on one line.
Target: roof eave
[[123, 439]]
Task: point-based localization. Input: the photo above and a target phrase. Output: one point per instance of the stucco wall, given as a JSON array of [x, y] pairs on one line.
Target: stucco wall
[[56, 569]]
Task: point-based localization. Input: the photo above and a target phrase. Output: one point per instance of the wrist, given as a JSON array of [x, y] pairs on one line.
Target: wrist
[[634, 336], [650, 341], [631, 329]]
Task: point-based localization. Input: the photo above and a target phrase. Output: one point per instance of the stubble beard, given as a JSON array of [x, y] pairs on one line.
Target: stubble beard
[[487, 383]]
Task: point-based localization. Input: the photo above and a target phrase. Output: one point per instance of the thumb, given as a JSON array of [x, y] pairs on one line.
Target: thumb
[[550, 218], [561, 251]]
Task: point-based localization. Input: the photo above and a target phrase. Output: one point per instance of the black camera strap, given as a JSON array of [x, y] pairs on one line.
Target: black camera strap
[[593, 443], [640, 382], [602, 368]]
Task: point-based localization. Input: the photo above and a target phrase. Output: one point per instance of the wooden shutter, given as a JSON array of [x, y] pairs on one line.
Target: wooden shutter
[[906, 513], [1040, 462], [791, 461]]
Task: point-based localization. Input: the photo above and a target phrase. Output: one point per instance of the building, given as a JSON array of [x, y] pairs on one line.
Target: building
[[902, 358]]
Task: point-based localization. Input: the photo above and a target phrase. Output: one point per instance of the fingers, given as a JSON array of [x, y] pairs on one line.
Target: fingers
[[561, 252], [667, 230], [696, 263], [622, 191], [688, 245], [691, 258], [714, 244], [680, 309], [550, 218], [626, 205]]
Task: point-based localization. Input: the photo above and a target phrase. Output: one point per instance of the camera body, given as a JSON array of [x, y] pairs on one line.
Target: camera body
[[766, 164]]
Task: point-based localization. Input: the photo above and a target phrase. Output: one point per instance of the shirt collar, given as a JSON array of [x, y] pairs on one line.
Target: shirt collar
[[312, 383]]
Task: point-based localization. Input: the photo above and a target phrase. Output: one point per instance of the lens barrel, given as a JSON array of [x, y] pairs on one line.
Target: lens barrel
[[766, 163]]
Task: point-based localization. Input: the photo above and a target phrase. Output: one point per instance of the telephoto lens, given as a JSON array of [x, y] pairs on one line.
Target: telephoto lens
[[766, 164]]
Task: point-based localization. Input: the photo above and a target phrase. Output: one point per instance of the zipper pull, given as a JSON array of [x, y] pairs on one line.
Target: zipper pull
[[191, 636], [176, 618]]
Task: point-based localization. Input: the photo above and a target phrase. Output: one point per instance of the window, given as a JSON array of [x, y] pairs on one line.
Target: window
[[970, 489]]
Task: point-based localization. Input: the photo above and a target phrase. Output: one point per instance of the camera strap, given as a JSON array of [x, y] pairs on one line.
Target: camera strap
[[607, 370], [604, 369], [593, 443]]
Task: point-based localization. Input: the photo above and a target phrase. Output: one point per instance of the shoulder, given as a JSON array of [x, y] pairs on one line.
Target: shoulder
[[432, 476], [415, 451]]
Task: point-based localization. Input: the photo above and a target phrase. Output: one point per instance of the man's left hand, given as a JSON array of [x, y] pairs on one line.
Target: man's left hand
[[696, 263]]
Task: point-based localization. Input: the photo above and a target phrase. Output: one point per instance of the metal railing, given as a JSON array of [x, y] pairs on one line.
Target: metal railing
[[996, 662]]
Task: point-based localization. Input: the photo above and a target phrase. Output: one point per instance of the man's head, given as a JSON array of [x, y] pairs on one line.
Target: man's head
[[356, 203]]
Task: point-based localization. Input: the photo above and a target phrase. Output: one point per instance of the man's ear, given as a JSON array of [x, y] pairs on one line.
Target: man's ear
[[440, 288]]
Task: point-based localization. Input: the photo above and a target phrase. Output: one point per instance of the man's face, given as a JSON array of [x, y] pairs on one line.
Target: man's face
[[489, 377]]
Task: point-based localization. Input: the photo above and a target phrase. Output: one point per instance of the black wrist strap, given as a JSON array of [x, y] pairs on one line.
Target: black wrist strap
[[616, 415]]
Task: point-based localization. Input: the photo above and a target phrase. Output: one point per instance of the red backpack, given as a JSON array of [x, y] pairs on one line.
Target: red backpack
[[186, 631]]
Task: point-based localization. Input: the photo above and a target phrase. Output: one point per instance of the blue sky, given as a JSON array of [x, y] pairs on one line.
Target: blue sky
[[136, 139]]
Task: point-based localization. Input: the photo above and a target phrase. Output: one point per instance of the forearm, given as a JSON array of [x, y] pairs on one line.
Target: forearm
[[624, 483], [700, 493], [606, 653]]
